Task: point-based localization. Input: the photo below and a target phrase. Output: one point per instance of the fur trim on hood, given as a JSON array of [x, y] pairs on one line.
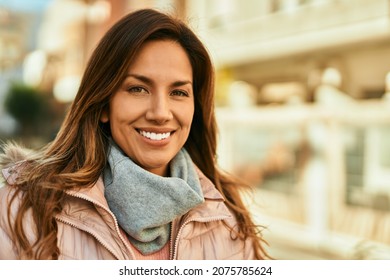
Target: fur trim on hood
[[12, 153]]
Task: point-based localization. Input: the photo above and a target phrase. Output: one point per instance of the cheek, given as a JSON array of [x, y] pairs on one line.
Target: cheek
[[123, 111]]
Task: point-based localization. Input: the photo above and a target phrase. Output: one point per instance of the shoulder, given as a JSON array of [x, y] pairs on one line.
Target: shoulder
[[212, 231], [213, 240], [7, 179], [6, 193], [8, 249], [8, 204], [208, 188]]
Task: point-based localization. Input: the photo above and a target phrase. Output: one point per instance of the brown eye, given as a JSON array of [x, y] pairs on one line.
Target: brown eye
[[179, 93], [137, 90]]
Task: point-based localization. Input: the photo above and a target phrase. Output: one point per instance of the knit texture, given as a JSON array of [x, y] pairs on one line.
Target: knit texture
[[145, 203]]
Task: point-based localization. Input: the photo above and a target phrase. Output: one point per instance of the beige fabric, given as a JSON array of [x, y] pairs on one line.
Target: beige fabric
[[87, 229]]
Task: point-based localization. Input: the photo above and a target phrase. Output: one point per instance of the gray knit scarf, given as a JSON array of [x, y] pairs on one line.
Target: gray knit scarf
[[144, 203]]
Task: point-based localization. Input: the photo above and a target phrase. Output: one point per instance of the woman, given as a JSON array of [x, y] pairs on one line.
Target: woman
[[132, 172]]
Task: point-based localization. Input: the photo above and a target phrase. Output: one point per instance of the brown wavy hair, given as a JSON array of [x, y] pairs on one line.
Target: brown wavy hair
[[77, 156]]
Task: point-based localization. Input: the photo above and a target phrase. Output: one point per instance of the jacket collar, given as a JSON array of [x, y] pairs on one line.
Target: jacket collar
[[208, 188], [95, 193]]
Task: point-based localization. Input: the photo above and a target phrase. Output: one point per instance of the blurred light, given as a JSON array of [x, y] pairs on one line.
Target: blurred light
[[54, 33], [290, 5], [242, 95], [292, 92], [63, 17], [331, 76], [98, 12], [65, 89], [386, 95], [388, 82], [33, 67]]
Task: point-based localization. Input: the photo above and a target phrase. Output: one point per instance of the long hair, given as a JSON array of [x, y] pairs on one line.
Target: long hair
[[77, 156]]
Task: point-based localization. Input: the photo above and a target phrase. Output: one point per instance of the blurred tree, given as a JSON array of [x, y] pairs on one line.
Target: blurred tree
[[30, 108]]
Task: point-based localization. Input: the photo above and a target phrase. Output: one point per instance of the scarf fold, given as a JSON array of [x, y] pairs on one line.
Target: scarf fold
[[144, 203]]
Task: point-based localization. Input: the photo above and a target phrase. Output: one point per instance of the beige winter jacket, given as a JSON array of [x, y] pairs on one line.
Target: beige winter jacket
[[87, 229]]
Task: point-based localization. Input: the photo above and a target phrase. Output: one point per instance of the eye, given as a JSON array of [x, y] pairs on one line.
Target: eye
[[137, 90], [179, 93]]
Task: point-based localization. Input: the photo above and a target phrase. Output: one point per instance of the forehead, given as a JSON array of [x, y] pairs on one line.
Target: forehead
[[162, 56]]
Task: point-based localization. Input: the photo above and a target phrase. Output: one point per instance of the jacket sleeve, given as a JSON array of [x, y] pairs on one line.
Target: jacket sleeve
[[7, 251]]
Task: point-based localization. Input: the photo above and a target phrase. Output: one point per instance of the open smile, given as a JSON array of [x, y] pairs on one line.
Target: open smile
[[155, 136]]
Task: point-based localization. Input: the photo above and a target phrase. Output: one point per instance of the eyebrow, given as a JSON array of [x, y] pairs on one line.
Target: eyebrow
[[150, 81]]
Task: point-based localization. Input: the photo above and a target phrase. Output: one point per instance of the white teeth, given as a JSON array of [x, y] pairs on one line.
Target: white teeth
[[155, 136]]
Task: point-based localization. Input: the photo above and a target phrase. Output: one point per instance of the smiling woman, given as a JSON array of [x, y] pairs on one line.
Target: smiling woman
[[150, 115], [132, 173]]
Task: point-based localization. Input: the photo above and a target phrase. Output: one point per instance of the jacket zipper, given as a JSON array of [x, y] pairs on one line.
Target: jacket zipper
[[203, 220], [91, 233], [171, 241], [115, 220]]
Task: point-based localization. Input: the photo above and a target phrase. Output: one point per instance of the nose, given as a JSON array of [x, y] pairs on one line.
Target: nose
[[159, 110]]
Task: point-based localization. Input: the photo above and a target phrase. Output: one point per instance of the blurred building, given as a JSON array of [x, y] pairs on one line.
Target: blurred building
[[284, 41], [315, 145]]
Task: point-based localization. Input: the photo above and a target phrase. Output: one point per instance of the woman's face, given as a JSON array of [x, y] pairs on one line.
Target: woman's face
[[150, 115]]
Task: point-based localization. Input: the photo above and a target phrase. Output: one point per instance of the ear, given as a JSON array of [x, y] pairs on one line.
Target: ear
[[104, 116]]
